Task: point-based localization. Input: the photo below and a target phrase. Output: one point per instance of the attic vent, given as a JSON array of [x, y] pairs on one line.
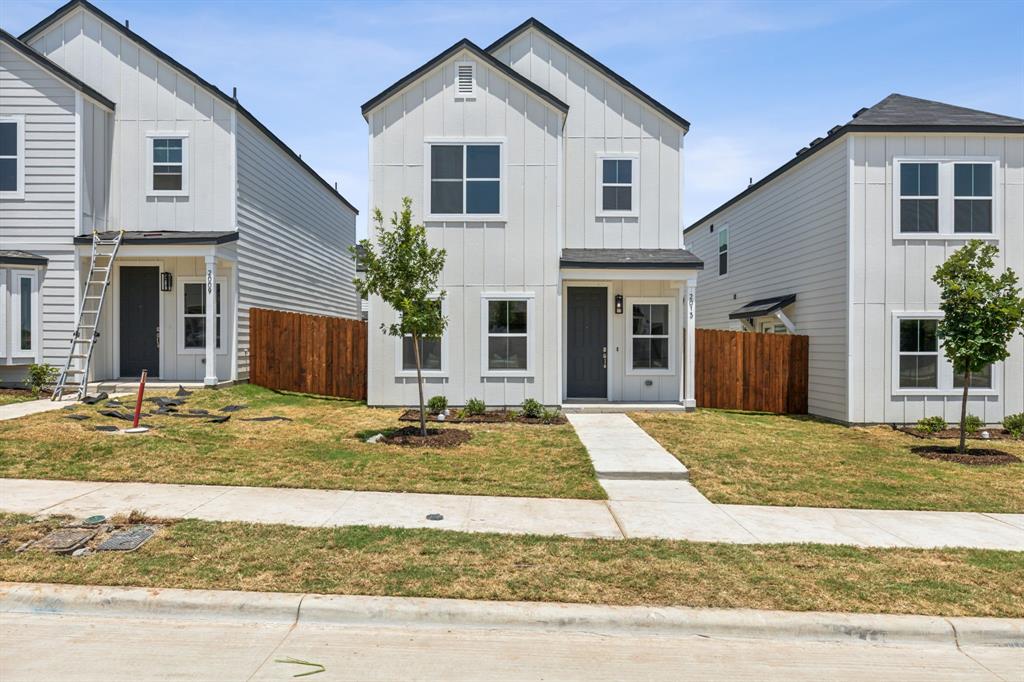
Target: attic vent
[[860, 111], [834, 129], [814, 142], [465, 80]]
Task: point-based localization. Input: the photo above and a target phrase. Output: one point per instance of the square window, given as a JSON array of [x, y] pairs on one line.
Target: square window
[[465, 179], [483, 161], [446, 162], [919, 179], [445, 197], [972, 215]]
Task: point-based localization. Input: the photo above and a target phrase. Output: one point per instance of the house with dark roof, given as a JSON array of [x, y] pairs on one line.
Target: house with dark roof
[[102, 133], [554, 185], [840, 244]]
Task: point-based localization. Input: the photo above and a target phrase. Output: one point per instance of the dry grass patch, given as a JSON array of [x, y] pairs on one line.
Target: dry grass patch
[[322, 447], [431, 563], [752, 458]]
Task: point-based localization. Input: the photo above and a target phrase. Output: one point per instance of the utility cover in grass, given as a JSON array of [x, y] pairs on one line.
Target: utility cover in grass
[[64, 540], [127, 540]]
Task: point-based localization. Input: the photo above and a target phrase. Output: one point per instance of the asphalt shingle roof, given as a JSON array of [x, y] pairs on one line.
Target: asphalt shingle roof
[[651, 259]]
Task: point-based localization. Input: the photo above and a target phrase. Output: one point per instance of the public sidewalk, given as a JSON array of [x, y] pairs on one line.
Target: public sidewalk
[[669, 509]]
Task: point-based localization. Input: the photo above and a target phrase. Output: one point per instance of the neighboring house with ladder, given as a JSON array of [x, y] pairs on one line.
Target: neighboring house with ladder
[[841, 242], [211, 214], [555, 186]]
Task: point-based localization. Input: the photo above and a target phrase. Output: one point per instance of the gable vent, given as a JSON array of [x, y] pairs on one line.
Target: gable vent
[[465, 80]]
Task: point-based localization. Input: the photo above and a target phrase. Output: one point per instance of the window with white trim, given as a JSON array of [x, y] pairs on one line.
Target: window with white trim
[[617, 190], [192, 304], [465, 81], [972, 197], [23, 337], [431, 352], [168, 164], [12, 157], [723, 252], [3, 315], [650, 344], [919, 197], [919, 364], [465, 179], [508, 328], [982, 379], [948, 198]]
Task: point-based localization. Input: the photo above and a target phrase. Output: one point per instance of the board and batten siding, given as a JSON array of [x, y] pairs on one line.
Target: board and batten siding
[[518, 254], [43, 222], [892, 275], [605, 118], [789, 237], [293, 238], [151, 96]]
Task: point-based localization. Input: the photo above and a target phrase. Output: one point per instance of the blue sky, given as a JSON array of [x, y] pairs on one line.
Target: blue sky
[[756, 80]]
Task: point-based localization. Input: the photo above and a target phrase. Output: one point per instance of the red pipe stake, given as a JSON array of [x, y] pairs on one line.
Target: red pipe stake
[[138, 400]]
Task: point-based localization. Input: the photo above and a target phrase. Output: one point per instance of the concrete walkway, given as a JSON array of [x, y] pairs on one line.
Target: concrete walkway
[[24, 409], [636, 509]]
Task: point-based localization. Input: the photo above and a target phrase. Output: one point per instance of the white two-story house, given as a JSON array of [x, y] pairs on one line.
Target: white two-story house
[[554, 185], [102, 131], [841, 242]]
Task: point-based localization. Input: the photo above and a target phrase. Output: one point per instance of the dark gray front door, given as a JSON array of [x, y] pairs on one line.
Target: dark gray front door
[[140, 320], [587, 341]]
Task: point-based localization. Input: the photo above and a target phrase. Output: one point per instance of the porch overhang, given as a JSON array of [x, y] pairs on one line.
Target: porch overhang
[[167, 237], [169, 243], [9, 257], [629, 264], [763, 307]]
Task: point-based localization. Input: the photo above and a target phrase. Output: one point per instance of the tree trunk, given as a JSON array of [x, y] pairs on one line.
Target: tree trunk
[[419, 383], [963, 413]]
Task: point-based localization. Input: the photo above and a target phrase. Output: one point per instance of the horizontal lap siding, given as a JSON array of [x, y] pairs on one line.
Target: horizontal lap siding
[[293, 238], [789, 237]]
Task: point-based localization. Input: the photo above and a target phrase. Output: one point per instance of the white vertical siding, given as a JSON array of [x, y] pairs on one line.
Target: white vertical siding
[[293, 238], [788, 237], [604, 117], [894, 275]]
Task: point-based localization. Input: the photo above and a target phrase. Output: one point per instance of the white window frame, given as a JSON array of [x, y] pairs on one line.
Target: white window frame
[[225, 317], [946, 199], [501, 216], [3, 315], [724, 230], [19, 121], [531, 332], [673, 335], [991, 198], [400, 371], [634, 202], [463, 96], [14, 340], [185, 156], [945, 367]]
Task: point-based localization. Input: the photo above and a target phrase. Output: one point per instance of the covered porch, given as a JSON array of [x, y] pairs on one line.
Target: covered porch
[[628, 328], [166, 289]]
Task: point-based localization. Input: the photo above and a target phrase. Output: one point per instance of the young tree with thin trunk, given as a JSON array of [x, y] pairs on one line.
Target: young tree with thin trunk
[[403, 270], [981, 313]]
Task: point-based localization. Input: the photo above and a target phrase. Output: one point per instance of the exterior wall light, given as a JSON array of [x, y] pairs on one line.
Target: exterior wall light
[[618, 304], [166, 281]]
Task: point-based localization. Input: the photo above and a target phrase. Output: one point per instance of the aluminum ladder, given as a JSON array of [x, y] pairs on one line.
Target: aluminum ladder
[[104, 251]]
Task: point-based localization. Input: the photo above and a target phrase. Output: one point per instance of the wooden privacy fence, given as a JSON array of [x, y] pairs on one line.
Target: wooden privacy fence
[[307, 353], [751, 371]]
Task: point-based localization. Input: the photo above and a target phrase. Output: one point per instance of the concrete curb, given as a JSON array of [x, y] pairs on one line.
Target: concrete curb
[[136, 602]]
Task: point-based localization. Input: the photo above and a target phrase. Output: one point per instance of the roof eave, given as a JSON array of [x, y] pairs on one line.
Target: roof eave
[[618, 265]]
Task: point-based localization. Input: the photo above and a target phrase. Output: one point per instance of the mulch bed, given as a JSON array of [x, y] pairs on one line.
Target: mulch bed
[[974, 456], [24, 392], [492, 417], [410, 435], [993, 434]]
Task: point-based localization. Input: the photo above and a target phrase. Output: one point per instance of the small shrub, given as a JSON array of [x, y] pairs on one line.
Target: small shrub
[[39, 376], [973, 424], [1014, 423], [533, 409], [474, 407], [437, 404], [931, 424], [550, 415]]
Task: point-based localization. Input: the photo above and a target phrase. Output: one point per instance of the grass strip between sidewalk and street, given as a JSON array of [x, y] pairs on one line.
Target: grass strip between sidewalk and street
[[194, 554]]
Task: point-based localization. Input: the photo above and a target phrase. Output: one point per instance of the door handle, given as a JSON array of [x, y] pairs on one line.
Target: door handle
[[604, 357]]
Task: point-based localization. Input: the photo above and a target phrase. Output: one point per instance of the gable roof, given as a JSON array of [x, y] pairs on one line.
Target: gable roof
[[73, 5], [28, 53], [489, 59], [894, 114], [637, 92]]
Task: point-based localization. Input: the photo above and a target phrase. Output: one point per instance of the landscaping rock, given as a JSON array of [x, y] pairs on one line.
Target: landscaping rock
[[376, 438]]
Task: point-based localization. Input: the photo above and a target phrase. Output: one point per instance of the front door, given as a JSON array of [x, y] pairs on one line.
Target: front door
[[140, 320], [587, 338]]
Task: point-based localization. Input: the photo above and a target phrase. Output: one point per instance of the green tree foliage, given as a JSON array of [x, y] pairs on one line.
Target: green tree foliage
[[404, 270], [981, 313]]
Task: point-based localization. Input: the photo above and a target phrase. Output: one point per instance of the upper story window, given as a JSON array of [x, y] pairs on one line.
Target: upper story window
[[465, 179], [972, 197], [723, 252], [944, 197], [617, 185], [168, 164], [465, 80], [12, 157]]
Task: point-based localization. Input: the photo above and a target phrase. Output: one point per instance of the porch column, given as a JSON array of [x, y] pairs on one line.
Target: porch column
[[687, 380], [211, 321]]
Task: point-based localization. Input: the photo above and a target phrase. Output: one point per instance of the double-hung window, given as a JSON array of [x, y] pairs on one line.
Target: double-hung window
[[617, 184], [650, 336], [723, 252], [168, 164], [507, 330], [919, 197], [465, 179], [432, 352], [972, 197], [919, 364], [24, 322], [12, 157], [192, 303]]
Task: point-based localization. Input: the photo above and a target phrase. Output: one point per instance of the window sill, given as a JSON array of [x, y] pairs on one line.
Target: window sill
[[945, 236], [466, 218], [509, 374], [945, 392], [429, 374], [618, 214], [165, 193]]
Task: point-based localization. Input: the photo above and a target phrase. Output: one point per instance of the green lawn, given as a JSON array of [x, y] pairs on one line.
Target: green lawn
[[431, 563], [322, 448], [752, 458]]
